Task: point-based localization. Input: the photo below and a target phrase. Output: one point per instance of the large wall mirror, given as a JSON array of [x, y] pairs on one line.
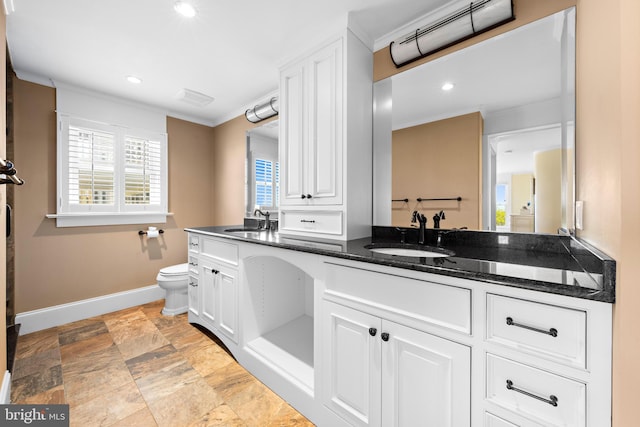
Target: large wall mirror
[[262, 169], [485, 134]]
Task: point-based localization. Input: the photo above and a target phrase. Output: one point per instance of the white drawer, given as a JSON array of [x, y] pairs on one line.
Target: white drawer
[[549, 331], [220, 250], [531, 392], [325, 222], [428, 302], [491, 420], [194, 242], [193, 265]]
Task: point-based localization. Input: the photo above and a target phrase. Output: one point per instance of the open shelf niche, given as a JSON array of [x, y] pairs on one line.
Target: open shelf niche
[[279, 324]]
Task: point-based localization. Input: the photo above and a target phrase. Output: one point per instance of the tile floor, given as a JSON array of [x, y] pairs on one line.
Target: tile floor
[[136, 367]]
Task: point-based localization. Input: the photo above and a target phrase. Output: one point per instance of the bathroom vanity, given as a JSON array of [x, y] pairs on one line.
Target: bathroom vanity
[[509, 330]]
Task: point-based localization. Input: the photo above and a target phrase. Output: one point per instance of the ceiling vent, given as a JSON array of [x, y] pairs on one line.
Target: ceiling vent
[[194, 98]]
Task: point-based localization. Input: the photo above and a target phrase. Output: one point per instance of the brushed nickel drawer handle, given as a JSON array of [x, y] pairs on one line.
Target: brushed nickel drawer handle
[[552, 400], [310, 221], [553, 331]]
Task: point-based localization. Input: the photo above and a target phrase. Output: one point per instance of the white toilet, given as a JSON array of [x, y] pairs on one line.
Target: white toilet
[[175, 281]]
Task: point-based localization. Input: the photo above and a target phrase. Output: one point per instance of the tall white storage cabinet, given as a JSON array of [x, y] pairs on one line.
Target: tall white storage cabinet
[[326, 141]]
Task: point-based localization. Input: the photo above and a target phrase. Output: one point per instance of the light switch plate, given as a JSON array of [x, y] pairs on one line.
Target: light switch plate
[[579, 212]]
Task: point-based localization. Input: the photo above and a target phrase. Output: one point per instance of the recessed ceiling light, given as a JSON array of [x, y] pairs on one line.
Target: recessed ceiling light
[[185, 9], [447, 86], [134, 80]]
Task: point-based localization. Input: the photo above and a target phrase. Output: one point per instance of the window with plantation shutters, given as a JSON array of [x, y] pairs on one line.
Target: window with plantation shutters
[[91, 178], [110, 174], [266, 183], [143, 171]]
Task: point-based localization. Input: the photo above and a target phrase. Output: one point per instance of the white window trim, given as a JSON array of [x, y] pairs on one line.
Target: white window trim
[[121, 214]]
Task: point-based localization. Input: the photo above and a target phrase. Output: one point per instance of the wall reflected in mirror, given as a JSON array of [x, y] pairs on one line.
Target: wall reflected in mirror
[[262, 170], [501, 136]]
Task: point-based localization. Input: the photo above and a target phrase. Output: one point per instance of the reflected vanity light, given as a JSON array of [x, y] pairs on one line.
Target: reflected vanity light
[[468, 20], [185, 9], [262, 111], [447, 86]]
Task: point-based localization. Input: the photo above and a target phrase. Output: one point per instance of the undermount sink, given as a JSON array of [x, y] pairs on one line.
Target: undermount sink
[[417, 251]]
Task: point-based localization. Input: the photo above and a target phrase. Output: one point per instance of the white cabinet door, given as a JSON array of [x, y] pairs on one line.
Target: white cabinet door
[[219, 297], [208, 296], [311, 129], [380, 373], [325, 126], [293, 135], [426, 380], [351, 356], [227, 288]]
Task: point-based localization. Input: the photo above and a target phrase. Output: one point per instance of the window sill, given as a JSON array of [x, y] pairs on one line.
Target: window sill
[[97, 219]]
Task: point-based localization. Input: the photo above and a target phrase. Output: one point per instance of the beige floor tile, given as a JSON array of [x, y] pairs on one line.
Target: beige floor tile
[[208, 360], [81, 330], [141, 344], [101, 374], [37, 342], [107, 408], [222, 416], [52, 396], [82, 349], [186, 404], [36, 383], [36, 363], [136, 367], [141, 418]]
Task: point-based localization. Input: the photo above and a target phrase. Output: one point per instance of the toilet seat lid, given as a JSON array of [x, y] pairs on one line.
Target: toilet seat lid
[[175, 270]]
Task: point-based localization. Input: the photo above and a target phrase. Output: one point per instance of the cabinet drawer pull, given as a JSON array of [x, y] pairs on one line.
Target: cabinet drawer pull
[[552, 400], [193, 284], [373, 332], [193, 264], [214, 271], [310, 221], [384, 336], [553, 331]]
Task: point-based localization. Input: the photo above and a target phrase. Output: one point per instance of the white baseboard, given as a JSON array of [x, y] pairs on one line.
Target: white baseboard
[[37, 320], [5, 390]]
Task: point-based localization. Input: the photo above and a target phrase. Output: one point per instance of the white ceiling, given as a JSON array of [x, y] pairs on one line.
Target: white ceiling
[[230, 51]]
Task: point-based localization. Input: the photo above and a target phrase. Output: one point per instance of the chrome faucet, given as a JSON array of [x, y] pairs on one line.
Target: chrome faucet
[[422, 221], [267, 223]]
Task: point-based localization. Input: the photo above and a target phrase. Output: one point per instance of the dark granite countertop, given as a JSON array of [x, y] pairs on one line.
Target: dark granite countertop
[[547, 263]]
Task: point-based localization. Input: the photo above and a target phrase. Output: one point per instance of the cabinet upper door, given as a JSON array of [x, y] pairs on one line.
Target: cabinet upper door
[[351, 359], [325, 125], [426, 380], [311, 129], [293, 134]]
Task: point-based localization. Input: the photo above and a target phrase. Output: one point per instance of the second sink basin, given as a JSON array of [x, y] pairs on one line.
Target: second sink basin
[[417, 251]]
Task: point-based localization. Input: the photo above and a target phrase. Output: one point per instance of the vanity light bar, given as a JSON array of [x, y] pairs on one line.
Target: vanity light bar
[[262, 111], [466, 22]]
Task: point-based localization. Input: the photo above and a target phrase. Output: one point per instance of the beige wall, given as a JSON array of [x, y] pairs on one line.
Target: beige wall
[[228, 164], [418, 170], [608, 175], [60, 265], [547, 166], [522, 193]]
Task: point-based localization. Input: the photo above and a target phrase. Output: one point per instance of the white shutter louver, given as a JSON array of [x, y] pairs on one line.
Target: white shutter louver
[[143, 168], [91, 167]]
